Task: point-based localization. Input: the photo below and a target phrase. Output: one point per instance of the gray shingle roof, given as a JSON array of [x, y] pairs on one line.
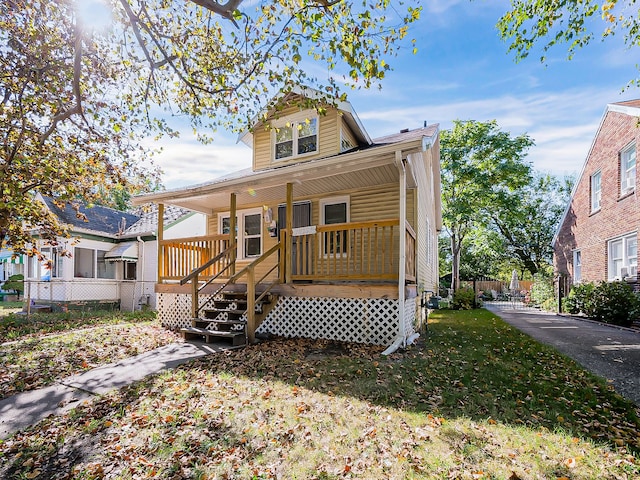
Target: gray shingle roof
[[98, 218]]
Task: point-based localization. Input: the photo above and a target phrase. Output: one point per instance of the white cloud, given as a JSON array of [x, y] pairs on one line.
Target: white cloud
[[188, 162]]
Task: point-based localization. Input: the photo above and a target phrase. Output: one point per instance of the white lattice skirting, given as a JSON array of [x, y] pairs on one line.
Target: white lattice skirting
[[371, 321]]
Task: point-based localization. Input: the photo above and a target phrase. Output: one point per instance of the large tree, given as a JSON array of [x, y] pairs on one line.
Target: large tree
[[526, 229], [545, 23], [481, 167], [77, 97]]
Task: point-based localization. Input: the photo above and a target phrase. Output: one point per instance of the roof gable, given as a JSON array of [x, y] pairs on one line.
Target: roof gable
[[289, 97]]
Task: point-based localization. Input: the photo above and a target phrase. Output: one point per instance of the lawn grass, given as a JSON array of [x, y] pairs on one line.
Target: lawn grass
[[46, 348], [475, 400], [14, 326]]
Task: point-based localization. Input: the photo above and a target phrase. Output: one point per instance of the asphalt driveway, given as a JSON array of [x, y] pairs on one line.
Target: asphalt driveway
[[610, 352]]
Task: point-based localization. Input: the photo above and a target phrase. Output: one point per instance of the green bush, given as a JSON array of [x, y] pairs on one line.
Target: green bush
[[15, 283], [580, 299], [615, 303], [542, 291], [463, 299], [608, 302]]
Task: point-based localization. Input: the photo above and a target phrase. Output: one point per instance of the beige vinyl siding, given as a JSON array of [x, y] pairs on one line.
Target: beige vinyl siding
[[425, 221], [328, 141], [267, 243], [346, 134], [378, 203]]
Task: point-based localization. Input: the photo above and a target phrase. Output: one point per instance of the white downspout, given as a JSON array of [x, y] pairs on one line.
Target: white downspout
[[401, 340], [141, 263]]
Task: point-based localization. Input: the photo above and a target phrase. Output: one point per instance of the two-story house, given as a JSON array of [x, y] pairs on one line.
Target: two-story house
[[597, 238], [336, 232]]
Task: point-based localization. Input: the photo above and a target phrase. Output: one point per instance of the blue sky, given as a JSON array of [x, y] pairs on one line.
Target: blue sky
[[462, 71]]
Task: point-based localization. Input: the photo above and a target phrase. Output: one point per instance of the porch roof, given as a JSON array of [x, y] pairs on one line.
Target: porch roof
[[350, 170]]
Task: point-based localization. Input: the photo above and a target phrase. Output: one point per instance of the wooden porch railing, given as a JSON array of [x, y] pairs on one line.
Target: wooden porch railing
[[365, 251], [181, 256], [352, 251]]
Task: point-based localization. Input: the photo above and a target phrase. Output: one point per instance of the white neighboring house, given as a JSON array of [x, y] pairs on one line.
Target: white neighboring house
[[113, 258]]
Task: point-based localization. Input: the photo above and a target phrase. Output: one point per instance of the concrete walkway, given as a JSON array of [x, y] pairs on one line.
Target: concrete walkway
[[28, 408], [608, 351]]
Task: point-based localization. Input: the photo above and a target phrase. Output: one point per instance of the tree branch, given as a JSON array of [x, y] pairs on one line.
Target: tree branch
[[224, 10], [77, 90]]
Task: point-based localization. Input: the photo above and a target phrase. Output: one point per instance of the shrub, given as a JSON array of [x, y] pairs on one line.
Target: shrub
[[463, 299], [542, 291], [14, 283], [615, 303], [579, 299]]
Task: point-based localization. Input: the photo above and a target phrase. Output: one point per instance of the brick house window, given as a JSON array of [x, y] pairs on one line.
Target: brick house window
[[623, 256], [577, 266], [628, 169], [596, 191]]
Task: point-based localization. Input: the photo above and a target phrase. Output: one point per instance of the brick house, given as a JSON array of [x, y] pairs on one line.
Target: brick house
[[597, 237]]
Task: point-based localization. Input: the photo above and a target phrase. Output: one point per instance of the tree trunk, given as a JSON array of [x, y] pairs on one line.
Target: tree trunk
[[455, 262]]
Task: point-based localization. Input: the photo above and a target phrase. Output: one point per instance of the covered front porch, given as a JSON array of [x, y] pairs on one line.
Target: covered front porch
[[352, 280]]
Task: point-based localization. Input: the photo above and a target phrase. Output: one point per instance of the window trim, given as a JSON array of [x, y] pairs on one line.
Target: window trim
[[592, 192], [240, 237], [577, 266], [294, 119], [611, 275], [624, 172], [346, 199]]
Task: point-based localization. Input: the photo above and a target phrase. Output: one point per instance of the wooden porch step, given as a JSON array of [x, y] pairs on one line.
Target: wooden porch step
[[196, 333], [222, 324]]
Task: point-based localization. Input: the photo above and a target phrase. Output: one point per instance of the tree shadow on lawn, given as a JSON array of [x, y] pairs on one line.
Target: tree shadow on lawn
[[473, 366]]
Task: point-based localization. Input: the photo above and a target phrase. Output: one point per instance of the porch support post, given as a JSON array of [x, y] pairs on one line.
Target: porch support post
[[289, 237], [403, 243], [232, 233], [160, 238]]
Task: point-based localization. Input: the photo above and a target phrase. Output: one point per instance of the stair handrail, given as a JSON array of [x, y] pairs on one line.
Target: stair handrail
[[249, 271], [196, 288]]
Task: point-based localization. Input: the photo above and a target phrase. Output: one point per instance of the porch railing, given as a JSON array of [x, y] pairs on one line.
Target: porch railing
[[352, 251], [365, 251], [181, 256]]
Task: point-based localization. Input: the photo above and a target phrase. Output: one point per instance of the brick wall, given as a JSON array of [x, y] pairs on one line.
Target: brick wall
[[619, 214]]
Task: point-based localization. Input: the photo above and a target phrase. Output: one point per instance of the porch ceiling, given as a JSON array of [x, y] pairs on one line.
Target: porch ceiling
[[349, 171], [269, 191]]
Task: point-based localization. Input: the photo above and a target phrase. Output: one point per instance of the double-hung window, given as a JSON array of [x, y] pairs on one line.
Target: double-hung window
[[248, 233], [332, 211], [577, 266], [628, 169], [623, 256], [295, 136], [596, 191]]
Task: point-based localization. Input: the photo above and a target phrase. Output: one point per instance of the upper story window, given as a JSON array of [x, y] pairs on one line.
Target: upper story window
[[623, 256], [628, 169], [295, 136], [596, 191]]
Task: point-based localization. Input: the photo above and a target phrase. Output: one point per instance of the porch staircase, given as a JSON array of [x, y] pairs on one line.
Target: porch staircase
[[227, 320]]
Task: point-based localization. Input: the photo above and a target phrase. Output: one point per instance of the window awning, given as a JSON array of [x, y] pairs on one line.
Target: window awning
[[123, 252], [8, 257]]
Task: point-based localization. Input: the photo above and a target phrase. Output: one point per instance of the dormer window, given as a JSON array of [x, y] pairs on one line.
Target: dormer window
[[295, 136]]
